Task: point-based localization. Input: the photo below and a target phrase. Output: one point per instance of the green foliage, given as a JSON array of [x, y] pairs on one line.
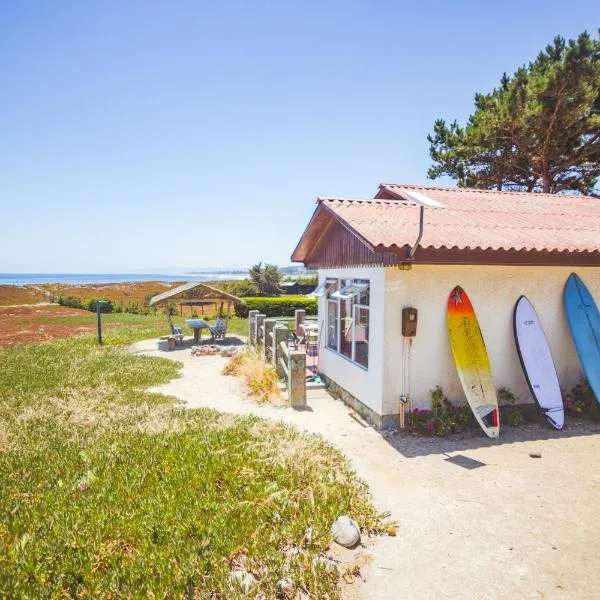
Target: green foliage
[[538, 131], [70, 301], [147, 298], [506, 398], [309, 280], [245, 287], [110, 491], [266, 279], [582, 402], [107, 307], [442, 419], [76, 302], [515, 418], [283, 306]]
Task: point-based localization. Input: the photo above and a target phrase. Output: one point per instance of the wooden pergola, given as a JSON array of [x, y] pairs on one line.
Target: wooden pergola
[[197, 294]]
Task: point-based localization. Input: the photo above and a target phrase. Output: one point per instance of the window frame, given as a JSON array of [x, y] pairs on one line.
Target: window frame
[[335, 294]]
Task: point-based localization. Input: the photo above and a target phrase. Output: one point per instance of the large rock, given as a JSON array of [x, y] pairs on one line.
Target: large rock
[[345, 532]]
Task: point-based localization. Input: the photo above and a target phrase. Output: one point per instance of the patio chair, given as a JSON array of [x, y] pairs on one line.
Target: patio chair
[[293, 341], [176, 332], [292, 338], [311, 342], [219, 329]]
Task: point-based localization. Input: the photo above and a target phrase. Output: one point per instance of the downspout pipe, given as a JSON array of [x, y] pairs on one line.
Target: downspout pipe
[[411, 254]]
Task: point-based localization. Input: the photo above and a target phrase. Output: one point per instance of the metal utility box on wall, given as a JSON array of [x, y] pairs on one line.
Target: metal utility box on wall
[[409, 322]]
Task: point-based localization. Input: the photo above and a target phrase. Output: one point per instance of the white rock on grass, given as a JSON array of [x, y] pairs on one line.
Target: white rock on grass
[[284, 584], [244, 579], [324, 561], [345, 532]]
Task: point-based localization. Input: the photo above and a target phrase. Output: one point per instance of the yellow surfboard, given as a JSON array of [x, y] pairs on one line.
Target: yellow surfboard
[[472, 361]]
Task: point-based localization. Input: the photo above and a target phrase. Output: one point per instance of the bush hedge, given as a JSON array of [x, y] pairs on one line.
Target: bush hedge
[[277, 306], [76, 302]]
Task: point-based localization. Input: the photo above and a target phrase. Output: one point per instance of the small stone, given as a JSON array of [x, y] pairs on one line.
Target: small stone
[[323, 560], [243, 578], [345, 531], [285, 584], [535, 454]]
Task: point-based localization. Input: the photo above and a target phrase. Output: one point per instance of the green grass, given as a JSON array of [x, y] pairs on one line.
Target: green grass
[[124, 328], [107, 490]]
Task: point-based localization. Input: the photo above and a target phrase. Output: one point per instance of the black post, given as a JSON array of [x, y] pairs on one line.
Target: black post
[[99, 304], [99, 322]]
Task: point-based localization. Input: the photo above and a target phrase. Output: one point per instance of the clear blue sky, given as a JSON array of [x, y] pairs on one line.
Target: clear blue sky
[[193, 134]]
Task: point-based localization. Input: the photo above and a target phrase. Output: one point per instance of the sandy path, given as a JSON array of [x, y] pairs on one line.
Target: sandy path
[[478, 518]]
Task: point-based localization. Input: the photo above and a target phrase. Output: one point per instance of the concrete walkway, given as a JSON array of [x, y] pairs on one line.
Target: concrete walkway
[[477, 518]]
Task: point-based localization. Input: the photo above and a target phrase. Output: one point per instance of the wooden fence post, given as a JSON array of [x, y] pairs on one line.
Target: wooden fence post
[[252, 327], [280, 334], [297, 379], [260, 332], [267, 349], [299, 319]]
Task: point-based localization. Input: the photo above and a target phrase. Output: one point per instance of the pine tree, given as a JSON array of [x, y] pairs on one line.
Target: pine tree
[[267, 279], [538, 131]]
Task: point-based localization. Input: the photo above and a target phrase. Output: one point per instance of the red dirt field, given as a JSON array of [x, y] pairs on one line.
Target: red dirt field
[[124, 294], [26, 324], [16, 294]]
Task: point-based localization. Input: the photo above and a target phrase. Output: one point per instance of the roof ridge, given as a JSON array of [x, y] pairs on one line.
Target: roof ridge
[[480, 190], [393, 202]]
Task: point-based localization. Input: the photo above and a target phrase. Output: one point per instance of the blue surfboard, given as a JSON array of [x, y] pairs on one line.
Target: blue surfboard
[[584, 322]]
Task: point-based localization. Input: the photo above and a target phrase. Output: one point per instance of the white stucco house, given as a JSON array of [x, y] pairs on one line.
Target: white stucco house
[[408, 247]]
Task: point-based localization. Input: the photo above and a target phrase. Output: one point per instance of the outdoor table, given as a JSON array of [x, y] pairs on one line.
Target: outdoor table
[[310, 327], [197, 325]]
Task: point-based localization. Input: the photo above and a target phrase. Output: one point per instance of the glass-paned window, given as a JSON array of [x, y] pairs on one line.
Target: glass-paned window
[[361, 335], [348, 319], [323, 287], [333, 312], [363, 296]]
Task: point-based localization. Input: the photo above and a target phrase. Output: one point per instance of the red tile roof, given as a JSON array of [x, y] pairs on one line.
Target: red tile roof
[[470, 220], [478, 219]]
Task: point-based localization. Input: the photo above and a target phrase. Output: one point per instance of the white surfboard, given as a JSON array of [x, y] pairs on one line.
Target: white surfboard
[[537, 363]]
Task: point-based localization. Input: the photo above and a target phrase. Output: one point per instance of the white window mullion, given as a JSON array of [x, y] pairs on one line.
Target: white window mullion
[[339, 324], [353, 313]]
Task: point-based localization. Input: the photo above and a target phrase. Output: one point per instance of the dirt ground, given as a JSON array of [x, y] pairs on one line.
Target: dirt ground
[[27, 324], [478, 518], [17, 294]]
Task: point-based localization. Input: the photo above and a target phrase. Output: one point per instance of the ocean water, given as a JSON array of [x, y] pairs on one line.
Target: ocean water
[[95, 278]]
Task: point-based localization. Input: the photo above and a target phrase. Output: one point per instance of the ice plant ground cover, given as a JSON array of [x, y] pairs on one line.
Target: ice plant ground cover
[[108, 490]]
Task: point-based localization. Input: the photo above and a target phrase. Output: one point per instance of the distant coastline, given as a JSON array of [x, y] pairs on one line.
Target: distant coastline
[[21, 279]]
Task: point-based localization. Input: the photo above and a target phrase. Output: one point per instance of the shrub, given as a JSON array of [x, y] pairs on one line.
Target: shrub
[[515, 418], [581, 401], [312, 280], [280, 306], [245, 287], [260, 379], [235, 364], [105, 308], [506, 398], [443, 418], [70, 301]]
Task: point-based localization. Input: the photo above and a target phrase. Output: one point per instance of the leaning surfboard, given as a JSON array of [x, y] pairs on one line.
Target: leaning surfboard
[[472, 362], [536, 360], [584, 322]]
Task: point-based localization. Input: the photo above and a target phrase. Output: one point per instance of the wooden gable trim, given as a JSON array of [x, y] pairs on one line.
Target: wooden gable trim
[[341, 247]]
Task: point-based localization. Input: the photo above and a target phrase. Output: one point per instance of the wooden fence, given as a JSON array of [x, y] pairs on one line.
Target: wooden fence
[[270, 339]]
